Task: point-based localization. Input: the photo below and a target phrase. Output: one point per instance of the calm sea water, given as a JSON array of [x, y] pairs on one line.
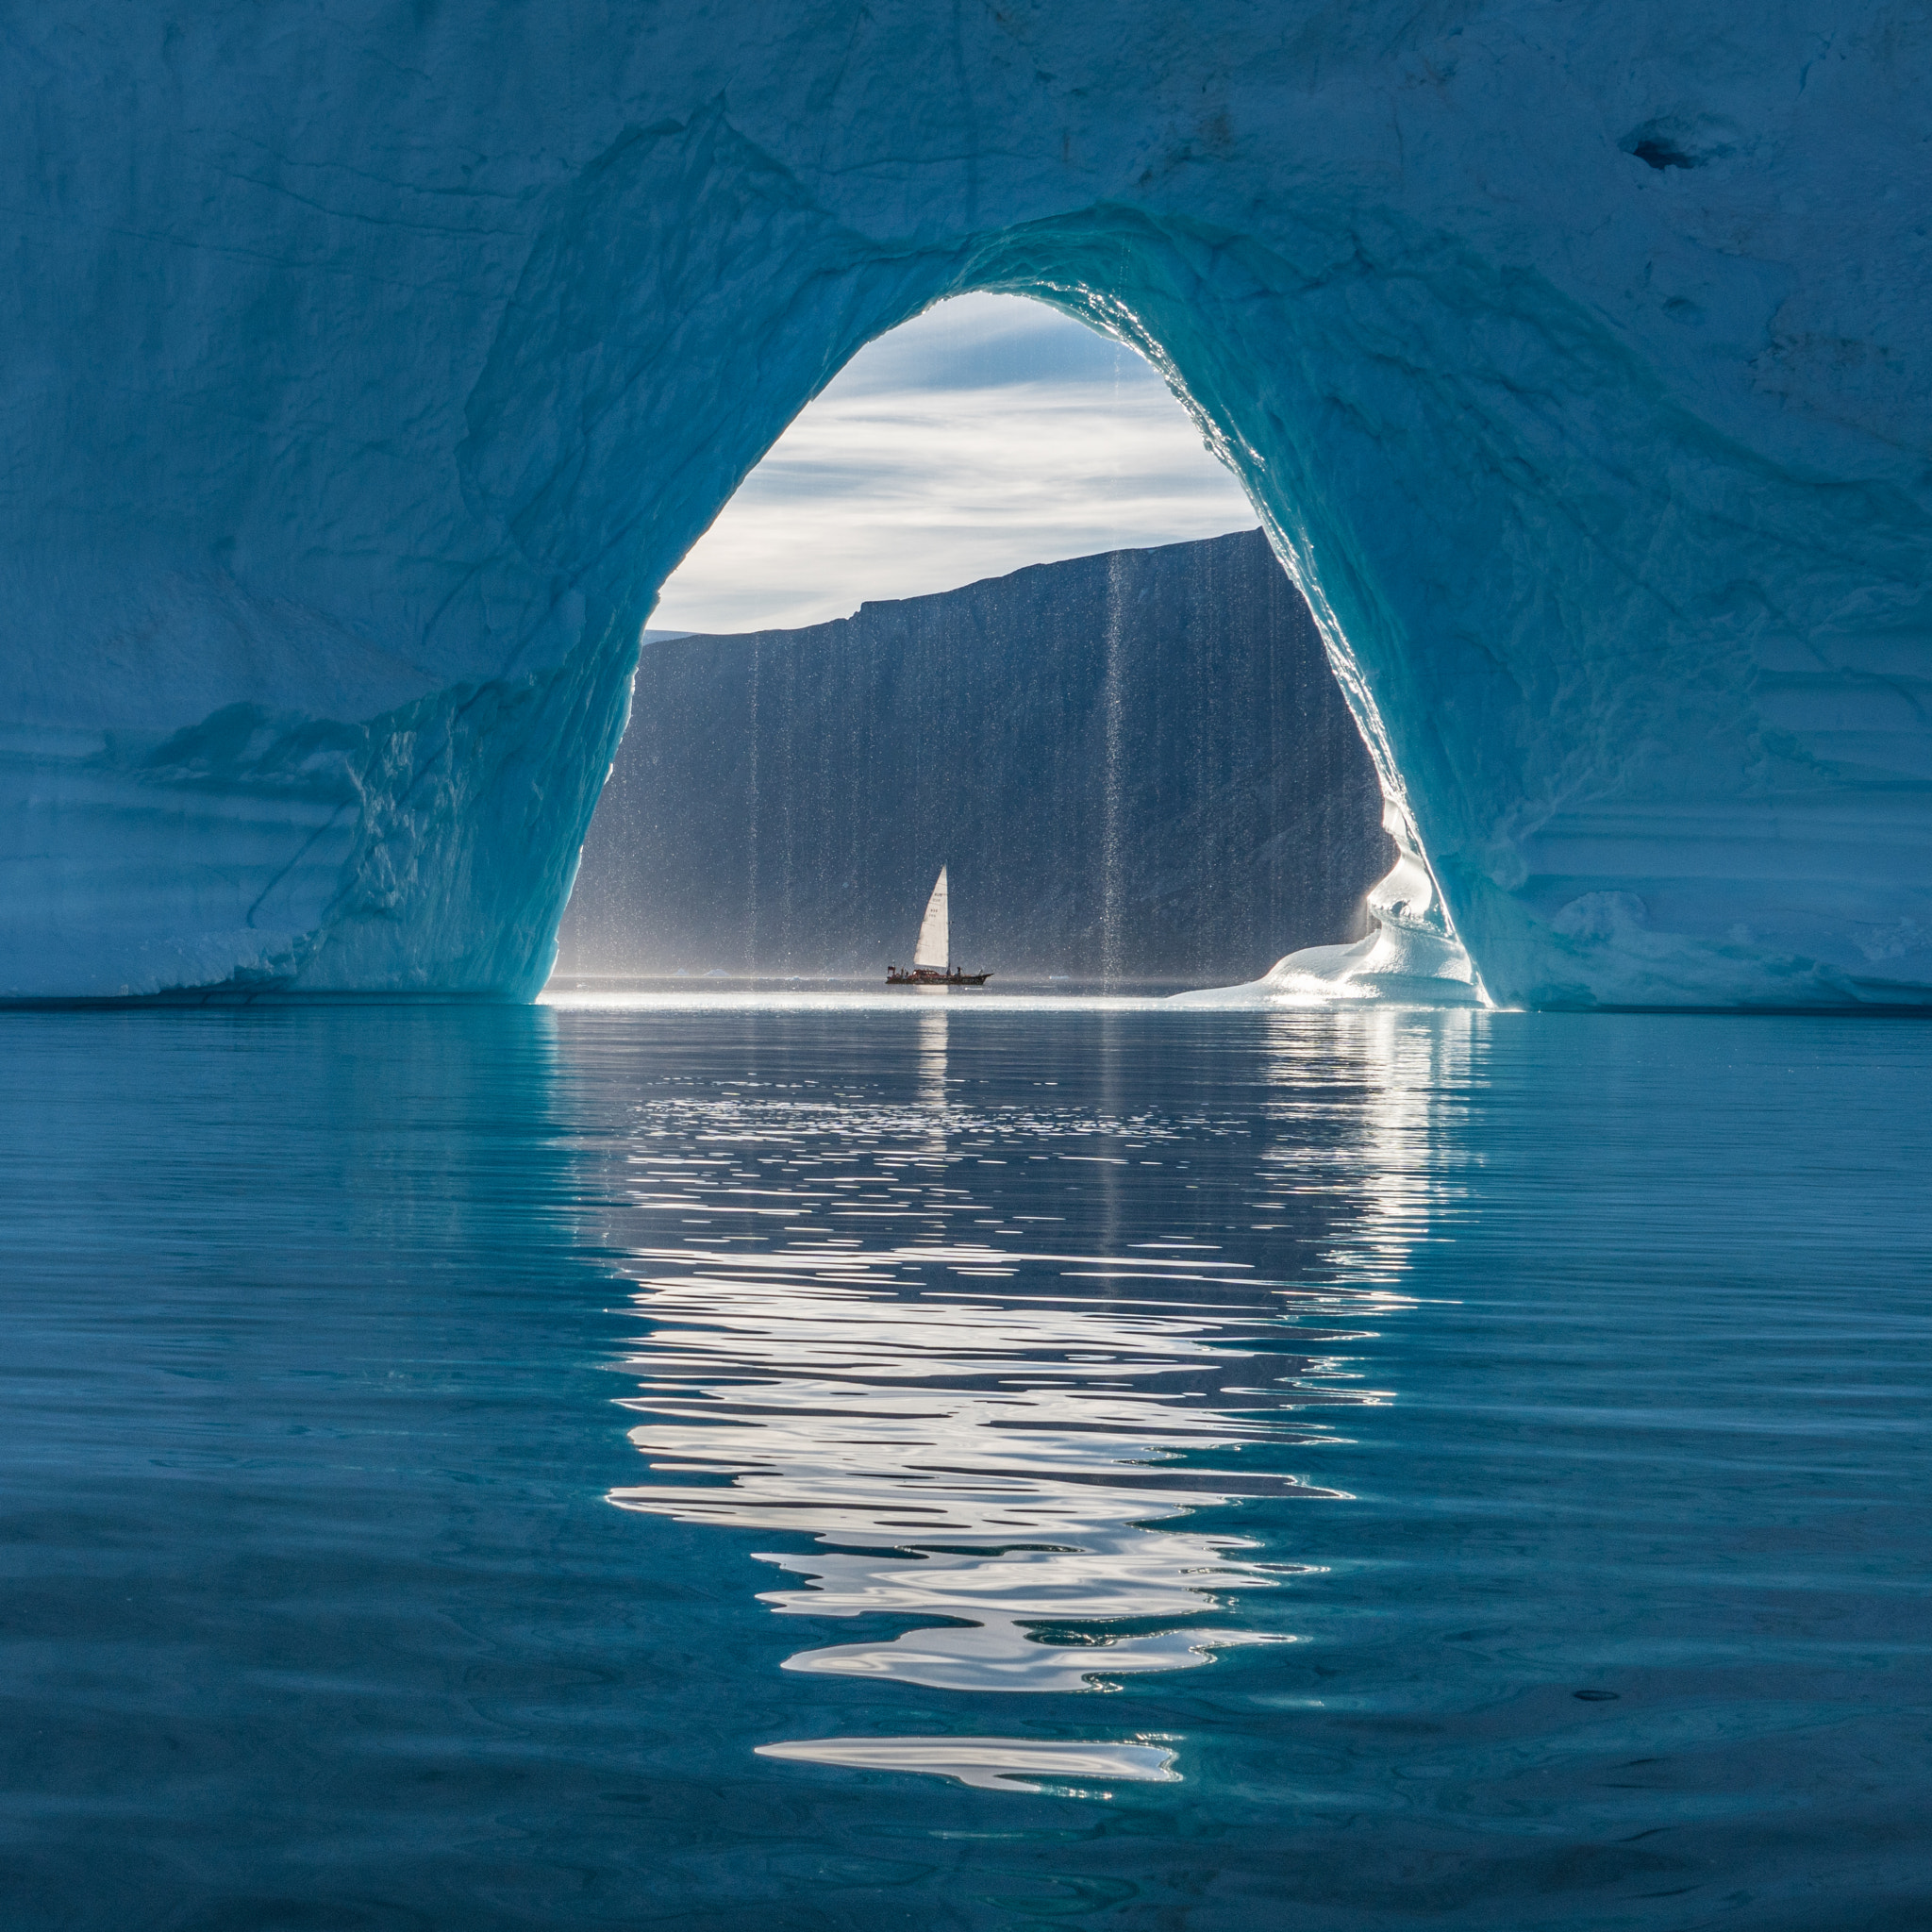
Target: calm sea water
[[961, 1466]]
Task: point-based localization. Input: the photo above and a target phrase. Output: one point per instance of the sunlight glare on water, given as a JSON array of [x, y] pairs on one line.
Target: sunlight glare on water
[[985, 1428]]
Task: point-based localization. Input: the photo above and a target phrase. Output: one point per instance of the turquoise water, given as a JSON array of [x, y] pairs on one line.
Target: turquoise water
[[963, 1466]]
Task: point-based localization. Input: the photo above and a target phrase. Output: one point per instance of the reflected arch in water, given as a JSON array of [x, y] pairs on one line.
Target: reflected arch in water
[[1005, 1442]]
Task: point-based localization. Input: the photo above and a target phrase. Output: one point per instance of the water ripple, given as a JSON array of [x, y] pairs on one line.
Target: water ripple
[[998, 1462], [987, 1402], [1010, 1468]]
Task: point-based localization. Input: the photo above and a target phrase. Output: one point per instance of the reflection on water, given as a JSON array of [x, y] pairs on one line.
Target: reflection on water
[[1615, 1332], [933, 1035], [996, 1435], [990, 1459], [1392, 1094], [993, 1764]]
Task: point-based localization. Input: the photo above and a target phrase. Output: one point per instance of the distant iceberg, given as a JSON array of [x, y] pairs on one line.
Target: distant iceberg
[[1135, 766], [365, 376]]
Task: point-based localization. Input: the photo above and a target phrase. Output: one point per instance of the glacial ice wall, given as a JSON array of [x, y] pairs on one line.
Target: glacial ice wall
[[367, 369]]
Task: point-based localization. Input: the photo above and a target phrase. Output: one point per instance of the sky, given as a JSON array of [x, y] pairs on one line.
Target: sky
[[985, 435]]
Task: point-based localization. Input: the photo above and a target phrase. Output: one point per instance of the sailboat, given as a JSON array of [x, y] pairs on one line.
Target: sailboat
[[932, 953]]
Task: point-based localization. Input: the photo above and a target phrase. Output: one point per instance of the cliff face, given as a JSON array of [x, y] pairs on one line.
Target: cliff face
[[1136, 765]]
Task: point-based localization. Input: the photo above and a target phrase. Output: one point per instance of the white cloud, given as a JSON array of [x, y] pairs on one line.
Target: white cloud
[[988, 434]]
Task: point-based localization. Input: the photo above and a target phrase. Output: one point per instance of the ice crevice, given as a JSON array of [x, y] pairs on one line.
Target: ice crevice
[[1574, 361]]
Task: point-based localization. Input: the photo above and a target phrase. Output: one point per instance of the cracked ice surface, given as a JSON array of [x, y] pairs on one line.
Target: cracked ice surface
[[367, 369]]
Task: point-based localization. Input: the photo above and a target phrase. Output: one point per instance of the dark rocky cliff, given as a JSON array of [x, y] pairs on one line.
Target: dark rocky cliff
[[1137, 766]]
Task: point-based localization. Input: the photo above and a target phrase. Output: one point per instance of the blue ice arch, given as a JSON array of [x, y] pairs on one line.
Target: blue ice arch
[[368, 366]]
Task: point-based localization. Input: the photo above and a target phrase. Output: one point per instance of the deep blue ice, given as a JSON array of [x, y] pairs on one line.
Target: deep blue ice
[[949, 1467]]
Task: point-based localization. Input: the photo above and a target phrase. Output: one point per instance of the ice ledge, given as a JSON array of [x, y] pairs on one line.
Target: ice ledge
[[1392, 967], [1631, 969], [1412, 959], [1598, 951], [1635, 969], [428, 850]]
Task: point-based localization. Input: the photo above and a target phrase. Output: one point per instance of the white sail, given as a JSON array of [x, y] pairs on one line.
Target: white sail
[[935, 942]]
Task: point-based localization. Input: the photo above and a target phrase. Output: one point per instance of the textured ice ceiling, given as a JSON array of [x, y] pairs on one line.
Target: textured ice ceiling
[[368, 367]]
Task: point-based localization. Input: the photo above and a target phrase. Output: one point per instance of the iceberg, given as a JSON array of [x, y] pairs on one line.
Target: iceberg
[[1135, 766], [368, 371]]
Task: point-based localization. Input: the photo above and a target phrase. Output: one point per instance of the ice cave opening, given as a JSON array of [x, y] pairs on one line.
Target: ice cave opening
[[988, 605], [369, 379]]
